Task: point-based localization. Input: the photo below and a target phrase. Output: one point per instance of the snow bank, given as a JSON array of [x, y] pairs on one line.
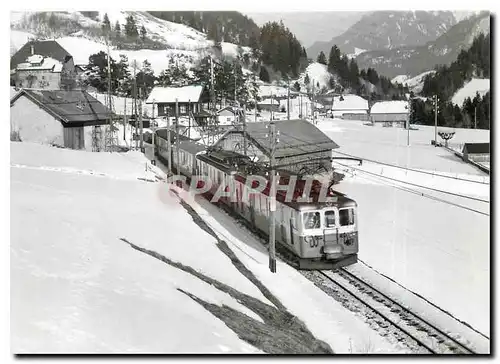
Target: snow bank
[[476, 85]]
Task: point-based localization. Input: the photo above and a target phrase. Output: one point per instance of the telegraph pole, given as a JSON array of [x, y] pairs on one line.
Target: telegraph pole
[[134, 65], [169, 146], [140, 120], [245, 130], [213, 96], [475, 117], [189, 119], [409, 119], [272, 104], [177, 136], [288, 102], [312, 102], [272, 198], [435, 119]]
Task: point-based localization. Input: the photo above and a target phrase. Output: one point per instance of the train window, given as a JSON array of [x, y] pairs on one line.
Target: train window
[[311, 220], [346, 217], [330, 218]]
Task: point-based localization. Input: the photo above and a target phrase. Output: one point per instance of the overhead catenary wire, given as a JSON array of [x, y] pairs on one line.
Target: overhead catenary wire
[[412, 169], [381, 178]]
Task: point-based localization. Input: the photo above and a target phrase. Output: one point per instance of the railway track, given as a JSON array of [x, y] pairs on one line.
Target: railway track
[[390, 316]]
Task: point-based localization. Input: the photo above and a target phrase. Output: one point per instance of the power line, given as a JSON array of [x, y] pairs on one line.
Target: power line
[[417, 192], [412, 169]]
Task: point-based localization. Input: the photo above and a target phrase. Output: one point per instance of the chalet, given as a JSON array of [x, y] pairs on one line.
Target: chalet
[[476, 152], [352, 107], [227, 116], [390, 113], [189, 99], [62, 118], [43, 65]]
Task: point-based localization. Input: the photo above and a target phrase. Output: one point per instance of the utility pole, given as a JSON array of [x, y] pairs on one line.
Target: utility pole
[[245, 130], [177, 169], [435, 119], [409, 119], [312, 102], [124, 117], [213, 97], [140, 121], [273, 138], [134, 65], [475, 117], [189, 119], [272, 104], [169, 146], [288, 102]]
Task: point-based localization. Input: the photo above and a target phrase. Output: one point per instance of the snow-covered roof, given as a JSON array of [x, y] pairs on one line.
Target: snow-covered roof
[[482, 86], [268, 101], [390, 107], [47, 63], [170, 94], [349, 102]]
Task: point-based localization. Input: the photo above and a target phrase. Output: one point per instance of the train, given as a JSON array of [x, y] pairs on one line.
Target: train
[[316, 234]]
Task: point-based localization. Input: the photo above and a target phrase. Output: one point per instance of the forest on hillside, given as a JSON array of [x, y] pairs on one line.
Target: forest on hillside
[[474, 62]]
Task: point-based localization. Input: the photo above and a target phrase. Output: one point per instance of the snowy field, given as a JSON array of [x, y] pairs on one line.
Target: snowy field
[[425, 243], [76, 287]]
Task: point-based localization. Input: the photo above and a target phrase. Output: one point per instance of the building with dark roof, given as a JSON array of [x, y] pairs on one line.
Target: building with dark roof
[[302, 148], [62, 118], [43, 65], [476, 152]]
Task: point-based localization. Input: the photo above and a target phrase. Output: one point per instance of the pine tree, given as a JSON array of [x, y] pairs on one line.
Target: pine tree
[[131, 28], [321, 58], [264, 75], [106, 25], [143, 33], [307, 81], [117, 28]]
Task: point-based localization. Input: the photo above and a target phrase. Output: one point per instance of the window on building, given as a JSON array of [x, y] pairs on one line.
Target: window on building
[[182, 109]]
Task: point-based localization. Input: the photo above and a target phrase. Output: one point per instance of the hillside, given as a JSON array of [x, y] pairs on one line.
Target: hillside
[[470, 89], [413, 60], [387, 30], [167, 42]]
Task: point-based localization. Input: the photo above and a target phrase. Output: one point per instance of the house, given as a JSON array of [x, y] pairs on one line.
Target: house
[[43, 65], [189, 99], [227, 116], [269, 104], [390, 113], [62, 118], [476, 152], [352, 107]]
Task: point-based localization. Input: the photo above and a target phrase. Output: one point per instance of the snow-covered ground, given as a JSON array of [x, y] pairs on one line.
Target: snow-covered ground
[[415, 84], [434, 248], [76, 287], [476, 85], [318, 73]]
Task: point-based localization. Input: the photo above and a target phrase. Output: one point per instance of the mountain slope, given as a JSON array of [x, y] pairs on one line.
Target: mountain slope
[[389, 29], [411, 60], [316, 26]]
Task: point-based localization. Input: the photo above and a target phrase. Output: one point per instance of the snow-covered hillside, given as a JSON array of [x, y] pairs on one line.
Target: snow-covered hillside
[[476, 85], [415, 84], [182, 44]]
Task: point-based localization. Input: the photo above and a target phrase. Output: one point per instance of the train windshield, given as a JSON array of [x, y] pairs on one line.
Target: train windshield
[[311, 220], [346, 217], [330, 218]]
